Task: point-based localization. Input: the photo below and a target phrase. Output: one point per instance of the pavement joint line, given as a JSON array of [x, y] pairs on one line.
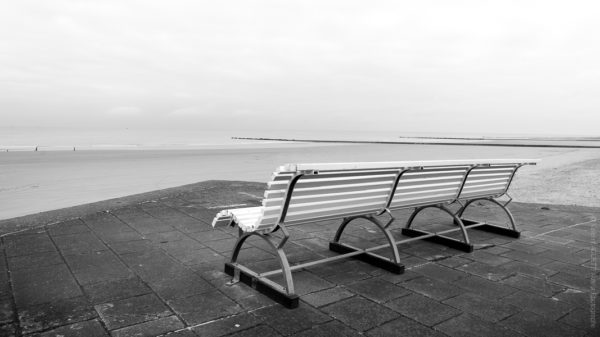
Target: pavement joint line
[[189, 328], [216, 320], [50, 328], [226, 206], [548, 239], [428, 262], [484, 246], [416, 266], [562, 228], [40, 226]]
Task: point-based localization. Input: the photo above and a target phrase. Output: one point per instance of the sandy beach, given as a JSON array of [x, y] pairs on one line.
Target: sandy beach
[[33, 182]]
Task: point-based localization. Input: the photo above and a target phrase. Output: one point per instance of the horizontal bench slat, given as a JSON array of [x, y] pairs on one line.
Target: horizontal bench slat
[[489, 174], [329, 216], [248, 216], [440, 197], [432, 175], [313, 181], [414, 187], [296, 205], [327, 196], [481, 194], [334, 211], [484, 181], [418, 182], [330, 189], [342, 174], [487, 178], [245, 210], [281, 177], [318, 206], [449, 190], [495, 168], [336, 176], [503, 172], [484, 185]]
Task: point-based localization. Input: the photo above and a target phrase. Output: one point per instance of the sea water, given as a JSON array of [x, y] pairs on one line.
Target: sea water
[[69, 139]]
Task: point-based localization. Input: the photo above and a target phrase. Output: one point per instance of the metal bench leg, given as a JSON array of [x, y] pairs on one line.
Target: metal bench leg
[[510, 232], [393, 265], [464, 245], [284, 295]]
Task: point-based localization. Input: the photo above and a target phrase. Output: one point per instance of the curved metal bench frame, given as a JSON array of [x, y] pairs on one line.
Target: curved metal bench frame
[[464, 245], [511, 231], [392, 265], [283, 294]]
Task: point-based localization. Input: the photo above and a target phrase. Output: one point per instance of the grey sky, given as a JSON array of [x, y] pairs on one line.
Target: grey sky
[[414, 66]]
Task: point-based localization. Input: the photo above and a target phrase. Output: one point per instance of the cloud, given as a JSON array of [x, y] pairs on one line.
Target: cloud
[[125, 111], [243, 113], [188, 111]]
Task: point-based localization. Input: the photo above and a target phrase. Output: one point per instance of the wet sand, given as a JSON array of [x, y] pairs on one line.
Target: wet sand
[[32, 182]]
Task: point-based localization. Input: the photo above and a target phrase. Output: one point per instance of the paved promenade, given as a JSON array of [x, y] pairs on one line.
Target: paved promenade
[[152, 265]]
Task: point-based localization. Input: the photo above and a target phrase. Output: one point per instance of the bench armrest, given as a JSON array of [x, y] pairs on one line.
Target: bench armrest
[[223, 218]]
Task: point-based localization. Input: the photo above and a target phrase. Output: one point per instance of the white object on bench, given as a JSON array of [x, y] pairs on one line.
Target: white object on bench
[[302, 193]]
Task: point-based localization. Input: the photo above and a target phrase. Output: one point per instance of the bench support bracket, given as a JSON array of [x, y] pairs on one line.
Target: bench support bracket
[[464, 245], [282, 294], [393, 265], [510, 232]]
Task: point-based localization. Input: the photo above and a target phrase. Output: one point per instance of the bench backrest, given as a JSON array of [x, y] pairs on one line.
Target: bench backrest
[[429, 185], [329, 195], [490, 180], [335, 192]]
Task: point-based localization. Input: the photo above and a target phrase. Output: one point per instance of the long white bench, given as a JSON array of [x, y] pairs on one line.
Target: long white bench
[[306, 193]]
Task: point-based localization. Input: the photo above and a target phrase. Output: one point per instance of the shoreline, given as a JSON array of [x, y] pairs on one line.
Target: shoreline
[[427, 143]]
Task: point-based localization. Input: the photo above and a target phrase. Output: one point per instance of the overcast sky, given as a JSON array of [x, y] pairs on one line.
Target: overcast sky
[[413, 66]]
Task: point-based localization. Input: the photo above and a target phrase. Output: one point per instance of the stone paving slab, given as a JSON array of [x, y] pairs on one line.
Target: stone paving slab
[[151, 265]]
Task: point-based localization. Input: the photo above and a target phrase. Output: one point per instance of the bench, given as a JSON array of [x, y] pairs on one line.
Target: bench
[[306, 193]]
